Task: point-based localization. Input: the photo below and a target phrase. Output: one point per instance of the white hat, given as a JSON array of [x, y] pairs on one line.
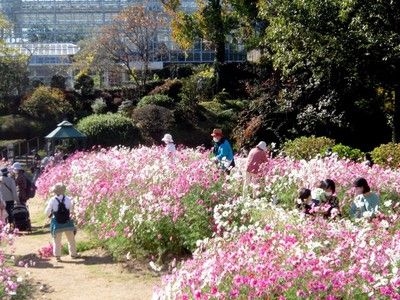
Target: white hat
[[17, 166], [262, 145], [167, 138]]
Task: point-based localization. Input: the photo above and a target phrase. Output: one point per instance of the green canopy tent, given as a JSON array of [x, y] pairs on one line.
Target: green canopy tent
[[66, 135]]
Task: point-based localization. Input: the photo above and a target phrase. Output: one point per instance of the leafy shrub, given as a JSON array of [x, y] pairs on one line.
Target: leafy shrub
[[387, 155], [307, 147], [85, 84], [16, 126], [47, 104], [153, 121], [109, 130], [171, 87], [344, 151], [99, 106], [126, 108], [158, 99]]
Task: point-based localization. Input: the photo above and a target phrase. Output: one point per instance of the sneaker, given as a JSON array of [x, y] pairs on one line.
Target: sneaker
[[75, 256], [58, 258]]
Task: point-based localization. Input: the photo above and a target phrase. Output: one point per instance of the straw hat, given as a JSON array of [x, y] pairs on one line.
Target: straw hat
[[58, 189]]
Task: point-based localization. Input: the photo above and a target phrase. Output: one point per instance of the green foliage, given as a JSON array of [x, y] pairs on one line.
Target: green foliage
[[344, 151], [17, 126], [156, 99], [153, 121], [109, 130], [85, 84], [59, 82], [13, 71], [387, 155], [171, 88], [307, 147], [47, 104], [99, 106]]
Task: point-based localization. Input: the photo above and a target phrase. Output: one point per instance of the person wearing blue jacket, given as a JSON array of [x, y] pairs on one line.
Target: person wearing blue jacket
[[223, 153]]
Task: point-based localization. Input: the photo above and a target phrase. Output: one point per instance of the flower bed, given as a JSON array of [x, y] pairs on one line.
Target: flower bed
[[140, 201]]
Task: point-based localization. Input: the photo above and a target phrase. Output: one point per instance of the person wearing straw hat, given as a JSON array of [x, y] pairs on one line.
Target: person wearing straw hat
[[8, 193], [223, 153], [61, 202], [170, 148], [257, 157]]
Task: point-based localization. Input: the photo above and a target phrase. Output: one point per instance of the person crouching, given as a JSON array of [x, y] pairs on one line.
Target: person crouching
[[58, 209]]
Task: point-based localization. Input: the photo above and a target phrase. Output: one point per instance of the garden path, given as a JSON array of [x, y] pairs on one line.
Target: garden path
[[93, 276]]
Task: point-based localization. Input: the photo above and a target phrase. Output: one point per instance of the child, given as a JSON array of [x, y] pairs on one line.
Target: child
[[306, 203], [170, 148], [58, 209], [318, 194]]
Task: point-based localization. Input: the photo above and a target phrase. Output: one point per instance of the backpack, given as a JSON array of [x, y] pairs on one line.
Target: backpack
[[62, 214], [30, 187]]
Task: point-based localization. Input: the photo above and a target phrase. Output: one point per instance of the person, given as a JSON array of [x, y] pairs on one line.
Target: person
[[318, 193], [8, 193], [368, 160], [331, 200], [21, 183], [366, 203], [170, 148], [56, 226], [223, 153], [257, 157], [305, 203]]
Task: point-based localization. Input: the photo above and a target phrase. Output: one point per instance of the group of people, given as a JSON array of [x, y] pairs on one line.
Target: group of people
[[13, 191], [323, 200]]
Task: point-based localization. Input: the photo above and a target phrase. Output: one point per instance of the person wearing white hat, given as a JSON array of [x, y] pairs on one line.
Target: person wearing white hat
[[170, 148], [257, 157]]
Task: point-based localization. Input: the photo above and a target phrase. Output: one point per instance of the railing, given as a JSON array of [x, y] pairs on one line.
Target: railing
[[21, 151]]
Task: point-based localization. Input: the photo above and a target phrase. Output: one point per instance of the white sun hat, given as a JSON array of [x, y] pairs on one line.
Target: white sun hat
[[262, 145], [167, 138], [17, 166]]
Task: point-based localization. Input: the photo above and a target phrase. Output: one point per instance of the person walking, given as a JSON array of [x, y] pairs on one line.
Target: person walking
[[21, 183], [58, 209], [223, 153], [257, 157], [8, 193]]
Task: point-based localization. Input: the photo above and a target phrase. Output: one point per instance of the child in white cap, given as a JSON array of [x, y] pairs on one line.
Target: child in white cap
[[170, 148]]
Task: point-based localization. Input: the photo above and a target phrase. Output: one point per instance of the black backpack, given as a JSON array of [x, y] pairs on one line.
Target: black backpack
[[62, 214]]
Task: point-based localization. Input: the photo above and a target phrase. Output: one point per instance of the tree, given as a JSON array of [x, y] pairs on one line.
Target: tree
[[13, 66], [212, 22], [129, 41], [346, 48], [47, 104]]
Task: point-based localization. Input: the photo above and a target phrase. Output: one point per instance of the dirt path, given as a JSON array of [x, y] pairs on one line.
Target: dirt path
[[93, 276]]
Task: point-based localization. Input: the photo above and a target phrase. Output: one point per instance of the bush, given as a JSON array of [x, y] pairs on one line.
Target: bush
[[348, 152], [387, 155], [153, 121], [109, 130], [158, 99], [99, 106], [307, 147], [47, 104], [171, 88], [16, 126]]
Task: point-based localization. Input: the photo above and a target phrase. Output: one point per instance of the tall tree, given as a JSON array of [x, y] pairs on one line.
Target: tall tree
[[13, 67], [131, 40], [212, 21]]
